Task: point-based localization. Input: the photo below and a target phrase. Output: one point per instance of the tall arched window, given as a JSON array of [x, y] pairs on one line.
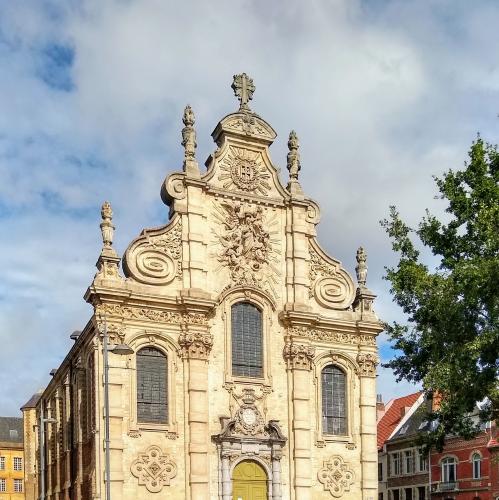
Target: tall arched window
[[334, 410], [247, 341], [449, 473], [152, 386], [476, 460]]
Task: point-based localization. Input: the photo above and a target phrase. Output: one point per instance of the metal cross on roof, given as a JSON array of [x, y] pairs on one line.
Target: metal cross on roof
[[243, 89]]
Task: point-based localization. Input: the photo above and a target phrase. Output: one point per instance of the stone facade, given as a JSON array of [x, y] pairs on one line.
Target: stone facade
[[235, 234]]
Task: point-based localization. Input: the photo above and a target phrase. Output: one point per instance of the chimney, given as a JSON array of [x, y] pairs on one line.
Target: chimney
[[380, 406]]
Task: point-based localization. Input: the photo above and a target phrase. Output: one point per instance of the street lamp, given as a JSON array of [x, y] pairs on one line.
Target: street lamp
[[42, 422], [122, 350]]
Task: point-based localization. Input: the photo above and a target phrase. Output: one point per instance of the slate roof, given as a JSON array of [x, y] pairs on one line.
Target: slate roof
[[415, 424], [11, 430], [31, 403], [392, 416]]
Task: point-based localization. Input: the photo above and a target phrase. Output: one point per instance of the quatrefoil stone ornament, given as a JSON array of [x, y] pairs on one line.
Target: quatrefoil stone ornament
[[154, 469], [336, 476]]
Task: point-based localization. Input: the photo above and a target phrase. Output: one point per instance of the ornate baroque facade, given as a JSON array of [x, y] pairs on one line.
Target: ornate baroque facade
[[253, 373]]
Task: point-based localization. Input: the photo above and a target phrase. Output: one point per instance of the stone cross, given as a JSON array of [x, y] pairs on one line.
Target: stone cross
[[243, 89]]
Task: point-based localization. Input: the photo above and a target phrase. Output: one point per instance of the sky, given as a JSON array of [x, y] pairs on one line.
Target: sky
[[383, 95]]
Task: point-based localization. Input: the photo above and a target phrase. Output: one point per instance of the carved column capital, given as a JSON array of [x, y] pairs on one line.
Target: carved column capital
[[367, 363], [196, 345], [298, 356]]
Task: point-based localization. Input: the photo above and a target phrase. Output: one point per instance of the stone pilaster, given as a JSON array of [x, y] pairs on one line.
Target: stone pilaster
[[196, 347], [367, 363], [299, 361]]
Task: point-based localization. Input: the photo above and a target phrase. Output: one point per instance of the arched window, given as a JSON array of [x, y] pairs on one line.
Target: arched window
[[449, 470], [334, 410], [247, 341], [152, 386], [476, 460]]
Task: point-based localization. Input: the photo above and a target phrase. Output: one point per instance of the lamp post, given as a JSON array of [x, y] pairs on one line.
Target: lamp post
[[122, 350], [42, 422]]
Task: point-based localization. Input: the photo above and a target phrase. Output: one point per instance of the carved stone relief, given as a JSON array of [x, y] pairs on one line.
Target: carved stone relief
[[336, 476], [248, 246], [154, 469], [332, 286], [142, 313], [367, 362], [156, 259], [299, 356], [332, 336], [196, 345], [244, 170]]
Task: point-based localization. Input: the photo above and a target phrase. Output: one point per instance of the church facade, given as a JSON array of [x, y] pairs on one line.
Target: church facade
[[252, 353]]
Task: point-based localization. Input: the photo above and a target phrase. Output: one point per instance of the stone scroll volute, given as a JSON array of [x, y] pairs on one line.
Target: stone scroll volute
[[155, 257]]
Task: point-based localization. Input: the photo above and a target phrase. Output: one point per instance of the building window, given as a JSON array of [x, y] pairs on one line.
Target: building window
[[152, 386], [421, 492], [396, 464], [449, 470], [2, 484], [18, 463], [380, 495], [422, 460], [334, 412], [409, 461], [2, 463], [380, 471], [247, 340], [18, 485], [395, 494], [408, 493], [477, 466]]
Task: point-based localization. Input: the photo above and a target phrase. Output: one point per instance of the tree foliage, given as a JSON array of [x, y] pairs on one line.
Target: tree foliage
[[450, 342]]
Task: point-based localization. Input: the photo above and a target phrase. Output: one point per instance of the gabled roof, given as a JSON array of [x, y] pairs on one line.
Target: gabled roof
[[415, 423], [393, 415], [11, 430], [32, 401]]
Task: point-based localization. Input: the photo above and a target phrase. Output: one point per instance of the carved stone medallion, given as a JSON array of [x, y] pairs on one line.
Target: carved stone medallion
[[336, 476], [154, 469], [245, 170], [249, 421]]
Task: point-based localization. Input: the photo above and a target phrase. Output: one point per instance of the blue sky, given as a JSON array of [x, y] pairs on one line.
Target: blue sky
[[382, 94]]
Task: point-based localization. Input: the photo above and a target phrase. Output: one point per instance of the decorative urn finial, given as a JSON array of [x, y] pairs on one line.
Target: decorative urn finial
[[243, 89], [106, 226], [361, 268], [191, 166], [293, 156]]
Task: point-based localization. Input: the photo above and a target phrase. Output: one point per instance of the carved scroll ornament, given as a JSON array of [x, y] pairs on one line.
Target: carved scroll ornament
[[196, 345], [336, 476], [155, 258], [154, 469]]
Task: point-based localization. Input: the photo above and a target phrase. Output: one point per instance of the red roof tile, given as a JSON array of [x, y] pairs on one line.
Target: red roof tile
[[392, 416]]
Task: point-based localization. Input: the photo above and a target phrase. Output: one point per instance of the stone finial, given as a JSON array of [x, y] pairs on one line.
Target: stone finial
[[293, 156], [108, 261], [106, 226], [191, 166], [243, 88], [361, 268]]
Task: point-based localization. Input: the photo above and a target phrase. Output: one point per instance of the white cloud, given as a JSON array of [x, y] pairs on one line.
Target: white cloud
[[382, 95]]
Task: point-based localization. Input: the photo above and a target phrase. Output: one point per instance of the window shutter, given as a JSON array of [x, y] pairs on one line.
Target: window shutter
[[152, 386], [247, 342], [334, 415]]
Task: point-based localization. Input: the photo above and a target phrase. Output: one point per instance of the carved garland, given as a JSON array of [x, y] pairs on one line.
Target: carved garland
[[331, 336], [336, 476], [142, 313], [154, 469]]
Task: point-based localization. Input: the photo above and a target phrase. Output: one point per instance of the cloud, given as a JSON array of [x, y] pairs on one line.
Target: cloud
[[382, 95]]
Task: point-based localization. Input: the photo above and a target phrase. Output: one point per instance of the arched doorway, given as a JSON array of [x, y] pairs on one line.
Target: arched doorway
[[249, 481]]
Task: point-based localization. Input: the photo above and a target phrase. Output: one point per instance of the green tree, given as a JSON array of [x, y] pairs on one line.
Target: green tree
[[450, 341]]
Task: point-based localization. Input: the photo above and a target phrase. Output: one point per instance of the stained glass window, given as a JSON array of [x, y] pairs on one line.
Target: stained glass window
[[334, 411]]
